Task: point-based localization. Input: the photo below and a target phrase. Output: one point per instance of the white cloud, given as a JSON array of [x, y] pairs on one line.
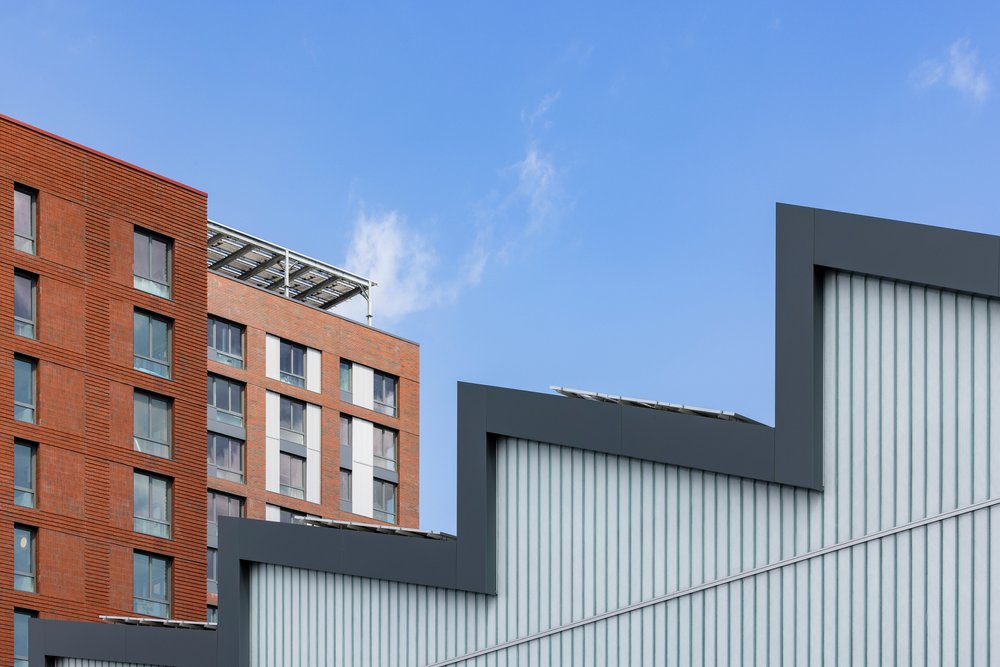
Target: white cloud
[[541, 109], [387, 249], [960, 71], [537, 185]]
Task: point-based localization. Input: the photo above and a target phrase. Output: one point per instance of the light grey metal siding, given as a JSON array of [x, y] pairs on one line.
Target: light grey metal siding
[[910, 386]]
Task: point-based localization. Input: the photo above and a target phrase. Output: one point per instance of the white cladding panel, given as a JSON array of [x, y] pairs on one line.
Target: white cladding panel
[[911, 379], [272, 513], [363, 386], [313, 454], [314, 369], [272, 357], [362, 476], [272, 444]]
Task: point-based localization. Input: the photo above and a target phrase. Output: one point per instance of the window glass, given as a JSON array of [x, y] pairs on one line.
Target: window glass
[[345, 381], [226, 396], [293, 360], [385, 393], [345, 484], [225, 457], [225, 342], [151, 263], [211, 570], [24, 389], [385, 501], [293, 475], [151, 501], [222, 504], [212, 614], [24, 473], [24, 304], [21, 636], [293, 427], [151, 344], [384, 447], [25, 214], [346, 439], [24, 559], [151, 420], [151, 585]]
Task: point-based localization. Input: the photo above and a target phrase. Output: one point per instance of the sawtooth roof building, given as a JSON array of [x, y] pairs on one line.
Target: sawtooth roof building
[[595, 530]]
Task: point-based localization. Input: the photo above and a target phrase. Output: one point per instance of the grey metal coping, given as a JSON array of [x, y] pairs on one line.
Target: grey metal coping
[[809, 241]]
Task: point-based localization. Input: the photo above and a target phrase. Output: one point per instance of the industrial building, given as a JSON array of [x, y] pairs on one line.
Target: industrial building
[[862, 528], [118, 466]]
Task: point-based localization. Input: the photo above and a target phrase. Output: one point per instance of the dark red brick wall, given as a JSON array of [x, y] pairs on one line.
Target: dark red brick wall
[[337, 338], [87, 206]]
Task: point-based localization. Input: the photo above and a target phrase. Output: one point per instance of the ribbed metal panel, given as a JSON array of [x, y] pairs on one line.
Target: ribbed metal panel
[[910, 382]]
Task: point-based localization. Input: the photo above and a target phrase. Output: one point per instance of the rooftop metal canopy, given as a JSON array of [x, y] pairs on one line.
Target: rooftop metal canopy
[[160, 622], [293, 275], [375, 528], [655, 405]]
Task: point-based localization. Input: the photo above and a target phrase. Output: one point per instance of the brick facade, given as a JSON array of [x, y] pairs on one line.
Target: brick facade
[[337, 338], [87, 205]]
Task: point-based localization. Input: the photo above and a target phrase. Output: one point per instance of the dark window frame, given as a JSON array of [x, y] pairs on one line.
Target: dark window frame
[[220, 328], [228, 414], [26, 496], [151, 362], [26, 580], [285, 481], [147, 524], [28, 244], [144, 282], [153, 446], [289, 375], [379, 433], [380, 490], [381, 381], [28, 409], [214, 468], [26, 327]]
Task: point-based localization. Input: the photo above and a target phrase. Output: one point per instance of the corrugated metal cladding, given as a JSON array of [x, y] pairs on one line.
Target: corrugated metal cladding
[[911, 379]]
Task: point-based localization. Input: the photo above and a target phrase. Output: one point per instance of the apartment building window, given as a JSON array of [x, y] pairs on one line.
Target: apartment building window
[[346, 393], [345, 485], [24, 558], [225, 457], [25, 303], [212, 569], [24, 473], [293, 475], [150, 585], [384, 502], [289, 516], [225, 342], [25, 218], [151, 263], [25, 396], [346, 439], [226, 398], [151, 504], [151, 420], [293, 420], [385, 394], [293, 363], [384, 447], [221, 504], [21, 617], [151, 344], [212, 614]]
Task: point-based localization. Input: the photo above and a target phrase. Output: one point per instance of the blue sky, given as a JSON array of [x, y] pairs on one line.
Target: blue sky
[[560, 194]]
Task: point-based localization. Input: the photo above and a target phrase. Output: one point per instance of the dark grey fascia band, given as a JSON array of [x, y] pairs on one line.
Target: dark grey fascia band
[[809, 241]]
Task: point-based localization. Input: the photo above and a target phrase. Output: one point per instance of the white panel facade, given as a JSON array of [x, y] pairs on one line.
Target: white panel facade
[[272, 444], [362, 476], [314, 369], [272, 357], [272, 513], [313, 452], [911, 379], [363, 386]]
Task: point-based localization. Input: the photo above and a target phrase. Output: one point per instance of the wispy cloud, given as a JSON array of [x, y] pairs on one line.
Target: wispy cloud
[[960, 70], [402, 260]]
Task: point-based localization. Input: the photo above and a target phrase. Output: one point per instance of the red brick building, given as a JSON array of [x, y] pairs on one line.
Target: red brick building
[[103, 411]]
